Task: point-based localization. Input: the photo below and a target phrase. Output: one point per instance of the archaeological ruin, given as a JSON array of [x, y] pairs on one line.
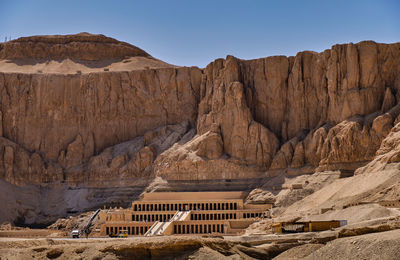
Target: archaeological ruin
[[168, 213]]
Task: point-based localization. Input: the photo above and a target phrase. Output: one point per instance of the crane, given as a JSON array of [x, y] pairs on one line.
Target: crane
[[86, 229]]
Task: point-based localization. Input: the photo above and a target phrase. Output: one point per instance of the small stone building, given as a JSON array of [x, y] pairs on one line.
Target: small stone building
[[390, 203], [308, 226]]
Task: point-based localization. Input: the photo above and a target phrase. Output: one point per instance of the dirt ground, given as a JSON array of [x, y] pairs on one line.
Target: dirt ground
[[373, 239], [384, 245], [129, 248]]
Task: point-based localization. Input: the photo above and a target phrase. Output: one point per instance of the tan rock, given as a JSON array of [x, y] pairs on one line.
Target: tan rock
[[339, 144], [118, 161], [284, 156], [37, 169], [279, 161], [82, 46], [127, 161], [1, 123], [212, 146], [182, 162], [235, 119], [224, 104], [75, 152], [383, 124], [8, 160], [314, 143], [271, 113], [260, 196], [389, 101], [144, 158], [299, 156]]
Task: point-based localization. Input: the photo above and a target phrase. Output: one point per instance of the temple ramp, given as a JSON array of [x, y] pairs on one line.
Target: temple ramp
[[164, 228], [152, 230], [181, 216]]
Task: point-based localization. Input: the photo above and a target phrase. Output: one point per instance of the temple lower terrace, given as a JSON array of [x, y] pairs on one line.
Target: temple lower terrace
[[168, 213]]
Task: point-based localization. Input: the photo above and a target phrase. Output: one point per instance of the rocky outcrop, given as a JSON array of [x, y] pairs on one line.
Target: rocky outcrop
[[310, 89], [186, 160], [82, 46], [388, 152], [224, 104], [259, 196], [306, 111], [267, 114], [127, 162], [19, 166], [234, 120], [67, 119], [335, 149]]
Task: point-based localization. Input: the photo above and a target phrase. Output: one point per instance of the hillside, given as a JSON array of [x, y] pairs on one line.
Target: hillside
[[73, 54], [89, 121]]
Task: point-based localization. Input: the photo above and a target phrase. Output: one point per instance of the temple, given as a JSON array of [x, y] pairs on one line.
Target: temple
[[168, 213]]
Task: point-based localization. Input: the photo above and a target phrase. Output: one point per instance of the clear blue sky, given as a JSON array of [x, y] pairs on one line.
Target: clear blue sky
[[189, 32]]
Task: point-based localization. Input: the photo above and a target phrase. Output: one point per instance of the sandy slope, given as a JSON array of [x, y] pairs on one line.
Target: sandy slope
[[68, 66], [355, 214], [75, 53], [346, 191], [385, 245], [33, 204]]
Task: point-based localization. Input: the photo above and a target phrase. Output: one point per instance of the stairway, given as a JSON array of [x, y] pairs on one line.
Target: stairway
[[180, 216], [154, 228]]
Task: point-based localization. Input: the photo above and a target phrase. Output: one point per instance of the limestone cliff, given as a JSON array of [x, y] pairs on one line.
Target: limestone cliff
[[228, 126], [328, 110]]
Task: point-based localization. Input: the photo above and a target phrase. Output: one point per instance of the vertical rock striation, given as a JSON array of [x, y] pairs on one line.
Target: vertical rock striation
[[66, 119], [235, 119], [271, 114], [328, 110]]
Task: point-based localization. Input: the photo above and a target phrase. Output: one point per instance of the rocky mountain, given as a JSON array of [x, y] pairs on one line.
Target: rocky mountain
[[108, 133]]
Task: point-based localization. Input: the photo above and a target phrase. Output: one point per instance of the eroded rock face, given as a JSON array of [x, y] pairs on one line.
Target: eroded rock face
[[67, 119], [125, 162], [310, 89], [260, 107], [271, 114], [186, 160], [47, 113], [235, 119], [388, 152], [128, 161], [328, 110], [224, 104], [82, 46]]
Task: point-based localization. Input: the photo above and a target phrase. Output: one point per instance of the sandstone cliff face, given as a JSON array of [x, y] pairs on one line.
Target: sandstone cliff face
[[66, 119], [233, 120], [328, 110], [127, 162], [268, 114]]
